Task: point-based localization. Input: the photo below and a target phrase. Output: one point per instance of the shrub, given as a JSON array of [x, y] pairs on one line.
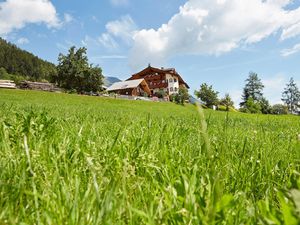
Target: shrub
[[279, 109]]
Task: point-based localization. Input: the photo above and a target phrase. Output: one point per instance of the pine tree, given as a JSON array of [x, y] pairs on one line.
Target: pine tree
[[253, 89], [265, 106], [291, 96], [18, 62]]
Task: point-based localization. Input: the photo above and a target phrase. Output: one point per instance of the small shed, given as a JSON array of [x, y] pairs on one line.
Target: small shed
[[7, 84], [138, 87]]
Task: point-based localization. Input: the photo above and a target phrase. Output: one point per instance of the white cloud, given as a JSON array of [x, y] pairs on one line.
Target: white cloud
[[236, 96], [68, 18], [292, 24], [15, 14], [274, 87], [119, 2], [108, 41], [290, 51], [90, 42], [213, 27], [22, 41], [65, 46], [122, 29], [94, 18]]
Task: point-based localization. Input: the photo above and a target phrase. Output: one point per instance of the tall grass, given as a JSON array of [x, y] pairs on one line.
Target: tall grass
[[68, 159]]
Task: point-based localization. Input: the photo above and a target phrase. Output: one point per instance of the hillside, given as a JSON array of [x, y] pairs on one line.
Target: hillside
[[108, 81], [20, 62], [74, 159]]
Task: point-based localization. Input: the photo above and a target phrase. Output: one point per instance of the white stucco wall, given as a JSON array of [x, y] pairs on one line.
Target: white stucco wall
[[173, 87]]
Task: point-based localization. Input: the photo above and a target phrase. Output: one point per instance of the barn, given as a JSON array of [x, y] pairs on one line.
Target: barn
[[138, 87]]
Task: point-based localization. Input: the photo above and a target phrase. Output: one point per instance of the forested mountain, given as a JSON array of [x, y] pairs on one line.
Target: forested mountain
[[22, 63], [108, 81]]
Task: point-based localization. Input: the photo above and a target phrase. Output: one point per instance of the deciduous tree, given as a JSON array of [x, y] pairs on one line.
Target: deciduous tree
[[74, 72], [279, 109], [227, 102], [207, 95]]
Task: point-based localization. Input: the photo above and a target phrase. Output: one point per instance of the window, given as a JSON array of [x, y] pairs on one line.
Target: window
[[170, 80], [175, 80], [176, 88], [171, 89]]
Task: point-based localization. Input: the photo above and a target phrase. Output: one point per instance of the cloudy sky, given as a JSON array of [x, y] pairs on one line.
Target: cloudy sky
[[213, 41]]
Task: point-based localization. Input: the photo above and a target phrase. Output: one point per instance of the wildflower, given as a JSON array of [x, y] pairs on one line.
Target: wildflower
[[183, 211]]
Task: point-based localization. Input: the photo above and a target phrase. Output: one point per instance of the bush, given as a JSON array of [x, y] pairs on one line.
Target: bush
[[4, 75], [279, 109], [251, 106], [244, 110], [160, 94], [222, 108]]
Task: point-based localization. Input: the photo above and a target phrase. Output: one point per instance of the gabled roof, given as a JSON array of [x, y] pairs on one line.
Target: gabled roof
[[125, 85], [157, 70]]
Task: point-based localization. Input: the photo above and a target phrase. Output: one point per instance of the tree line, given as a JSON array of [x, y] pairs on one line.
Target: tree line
[[18, 64], [253, 100], [73, 72]]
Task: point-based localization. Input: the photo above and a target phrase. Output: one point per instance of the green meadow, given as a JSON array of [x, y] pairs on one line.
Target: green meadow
[[70, 159]]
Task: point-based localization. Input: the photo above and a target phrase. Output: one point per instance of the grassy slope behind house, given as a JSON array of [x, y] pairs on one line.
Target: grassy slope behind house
[[69, 159]]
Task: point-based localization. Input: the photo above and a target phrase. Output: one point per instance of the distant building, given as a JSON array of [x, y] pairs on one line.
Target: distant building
[[138, 87], [161, 80]]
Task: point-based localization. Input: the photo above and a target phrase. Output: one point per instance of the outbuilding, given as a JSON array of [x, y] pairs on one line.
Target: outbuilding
[[138, 87]]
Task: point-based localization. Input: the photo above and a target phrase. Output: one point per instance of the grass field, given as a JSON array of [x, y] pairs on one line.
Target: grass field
[[68, 159]]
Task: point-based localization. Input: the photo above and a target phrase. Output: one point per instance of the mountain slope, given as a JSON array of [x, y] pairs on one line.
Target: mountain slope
[[20, 62], [108, 81]]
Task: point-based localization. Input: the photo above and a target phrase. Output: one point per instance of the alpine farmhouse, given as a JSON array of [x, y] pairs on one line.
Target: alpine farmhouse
[[151, 82]]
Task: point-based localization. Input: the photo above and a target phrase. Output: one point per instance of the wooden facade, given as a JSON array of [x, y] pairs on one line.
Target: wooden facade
[[133, 88]]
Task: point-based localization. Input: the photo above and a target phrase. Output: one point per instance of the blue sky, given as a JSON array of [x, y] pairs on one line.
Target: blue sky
[[213, 41]]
